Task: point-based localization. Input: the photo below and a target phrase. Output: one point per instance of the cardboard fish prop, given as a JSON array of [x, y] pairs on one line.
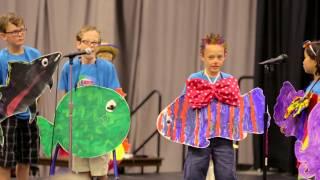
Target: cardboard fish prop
[[290, 126], [180, 123], [302, 124], [101, 121], [25, 83]]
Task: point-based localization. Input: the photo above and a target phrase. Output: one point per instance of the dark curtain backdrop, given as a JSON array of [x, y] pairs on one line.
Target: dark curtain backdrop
[[282, 27]]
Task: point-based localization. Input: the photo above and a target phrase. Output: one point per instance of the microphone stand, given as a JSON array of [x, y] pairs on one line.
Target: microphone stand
[[71, 57], [53, 160], [70, 111], [268, 68]]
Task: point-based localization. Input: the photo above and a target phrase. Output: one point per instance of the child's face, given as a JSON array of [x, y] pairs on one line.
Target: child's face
[[213, 58], [14, 35], [89, 39], [309, 65]]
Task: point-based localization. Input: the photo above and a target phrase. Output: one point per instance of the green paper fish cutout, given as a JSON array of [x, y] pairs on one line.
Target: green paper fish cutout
[[100, 122]]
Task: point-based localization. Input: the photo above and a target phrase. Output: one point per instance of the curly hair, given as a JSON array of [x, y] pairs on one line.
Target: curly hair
[[212, 39]]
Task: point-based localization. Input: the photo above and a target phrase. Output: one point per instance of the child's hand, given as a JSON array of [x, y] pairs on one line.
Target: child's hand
[[297, 106], [282, 130]]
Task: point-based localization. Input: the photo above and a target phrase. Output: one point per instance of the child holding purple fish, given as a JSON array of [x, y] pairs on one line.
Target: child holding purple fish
[[213, 54], [297, 114]]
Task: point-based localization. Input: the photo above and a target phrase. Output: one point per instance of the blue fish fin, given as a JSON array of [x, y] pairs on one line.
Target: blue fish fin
[[254, 111]]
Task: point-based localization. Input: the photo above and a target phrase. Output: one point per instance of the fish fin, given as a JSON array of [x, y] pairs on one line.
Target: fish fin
[[33, 111], [254, 109], [46, 135], [50, 83]]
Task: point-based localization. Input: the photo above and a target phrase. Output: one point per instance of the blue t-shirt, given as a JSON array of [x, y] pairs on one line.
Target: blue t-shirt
[[101, 73], [5, 57], [201, 75], [315, 87]]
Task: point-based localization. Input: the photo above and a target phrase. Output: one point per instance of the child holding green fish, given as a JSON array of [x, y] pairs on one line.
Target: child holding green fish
[[89, 70]]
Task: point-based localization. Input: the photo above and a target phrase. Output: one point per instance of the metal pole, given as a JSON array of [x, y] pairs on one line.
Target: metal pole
[[70, 113]]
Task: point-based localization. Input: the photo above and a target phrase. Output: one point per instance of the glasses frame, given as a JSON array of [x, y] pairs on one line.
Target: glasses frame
[[17, 32], [90, 43]]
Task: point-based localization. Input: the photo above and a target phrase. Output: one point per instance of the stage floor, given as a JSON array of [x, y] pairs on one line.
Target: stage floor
[[242, 175]]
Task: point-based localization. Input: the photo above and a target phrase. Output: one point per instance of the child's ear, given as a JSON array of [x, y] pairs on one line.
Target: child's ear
[[201, 57], [78, 44], [2, 36]]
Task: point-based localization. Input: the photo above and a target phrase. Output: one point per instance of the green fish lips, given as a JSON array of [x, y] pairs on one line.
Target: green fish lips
[[100, 122]]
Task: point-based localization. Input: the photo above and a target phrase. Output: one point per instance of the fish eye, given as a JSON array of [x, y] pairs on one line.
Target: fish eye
[[168, 121], [44, 62], [111, 105]]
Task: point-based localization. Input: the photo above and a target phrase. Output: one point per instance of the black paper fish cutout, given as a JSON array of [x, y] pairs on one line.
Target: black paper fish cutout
[[25, 83]]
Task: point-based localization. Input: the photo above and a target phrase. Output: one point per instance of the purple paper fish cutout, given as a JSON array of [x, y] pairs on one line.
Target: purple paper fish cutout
[[308, 152], [304, 127], [182, 124], [290, 126]]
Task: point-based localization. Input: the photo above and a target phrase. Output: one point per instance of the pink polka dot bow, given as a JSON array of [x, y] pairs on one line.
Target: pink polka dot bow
[[200, 92]]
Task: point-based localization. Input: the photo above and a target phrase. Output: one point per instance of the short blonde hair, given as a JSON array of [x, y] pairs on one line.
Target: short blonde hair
[[10, 18], [85, 29]]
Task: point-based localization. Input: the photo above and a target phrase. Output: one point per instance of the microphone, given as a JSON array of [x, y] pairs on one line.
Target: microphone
[[86, 51], [276, 60]]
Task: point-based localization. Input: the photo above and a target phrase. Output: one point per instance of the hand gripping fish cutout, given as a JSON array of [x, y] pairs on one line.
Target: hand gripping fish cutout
[[100, 122], [180, 123], [290, 126], [305, 127], [25, 83]]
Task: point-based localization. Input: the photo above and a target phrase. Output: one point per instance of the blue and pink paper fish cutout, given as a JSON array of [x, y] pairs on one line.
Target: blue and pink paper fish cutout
[[179, 122]]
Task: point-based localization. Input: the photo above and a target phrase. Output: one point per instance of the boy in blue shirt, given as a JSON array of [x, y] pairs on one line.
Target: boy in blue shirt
[[89, 70], [213, 52], [21, 139]]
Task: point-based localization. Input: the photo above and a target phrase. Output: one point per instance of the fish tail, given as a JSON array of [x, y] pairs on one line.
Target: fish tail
[[46, 135]]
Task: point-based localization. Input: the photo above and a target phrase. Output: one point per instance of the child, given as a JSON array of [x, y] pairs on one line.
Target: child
[[311, 64], [213, 53], [21, 147], [89, 70], [296, 113]]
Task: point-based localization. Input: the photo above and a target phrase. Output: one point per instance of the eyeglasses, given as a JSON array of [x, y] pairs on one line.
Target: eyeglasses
[[90, 43], [308, 44], [17, 32]]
